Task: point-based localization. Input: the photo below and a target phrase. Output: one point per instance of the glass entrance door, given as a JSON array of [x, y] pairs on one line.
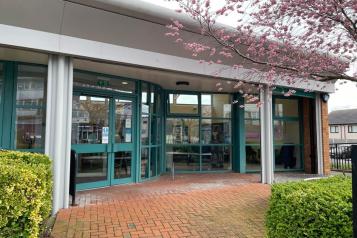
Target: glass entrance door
[[102, 136], [123, 144]]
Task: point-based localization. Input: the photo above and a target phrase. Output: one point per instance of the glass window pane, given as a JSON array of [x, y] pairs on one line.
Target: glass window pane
[[144, 163], [145, 129], [252, 154], [122, 165], [286, 107], [154, 130], [286, 132], [92, 167], [31, 85], [30, 128], [145, 98], [251, 111], [153, 161], [183, 103], [123, 121], [92, 80], [252, 131], [182, 131], [1, 82], [185, 158], [90, 120], [216, 157], [216, 131], [216, 105], [287, 157]]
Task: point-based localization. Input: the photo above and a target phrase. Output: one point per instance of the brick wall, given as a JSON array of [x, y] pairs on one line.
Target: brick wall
[[325, 138]]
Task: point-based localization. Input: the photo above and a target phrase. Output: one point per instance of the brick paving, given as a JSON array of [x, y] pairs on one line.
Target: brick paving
[[193, 205]]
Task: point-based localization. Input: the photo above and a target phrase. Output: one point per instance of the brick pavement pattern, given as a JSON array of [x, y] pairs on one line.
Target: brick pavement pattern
[[193, 205]]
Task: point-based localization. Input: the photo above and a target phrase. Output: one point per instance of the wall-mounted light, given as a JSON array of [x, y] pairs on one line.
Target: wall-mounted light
[[325, 97], [124, 83], [182, 83]]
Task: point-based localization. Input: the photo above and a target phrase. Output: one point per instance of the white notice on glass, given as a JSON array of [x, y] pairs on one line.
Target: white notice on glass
[[128, 123], [128, 137], [105, 135]]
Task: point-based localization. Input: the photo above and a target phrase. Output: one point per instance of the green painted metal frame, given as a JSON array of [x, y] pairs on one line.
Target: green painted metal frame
[[8, 106], [111, 147], [301, 131], [168, 115], [157, 90]]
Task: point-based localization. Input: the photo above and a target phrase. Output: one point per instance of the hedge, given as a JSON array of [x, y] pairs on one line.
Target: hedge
[[25, 193], [317, 208]]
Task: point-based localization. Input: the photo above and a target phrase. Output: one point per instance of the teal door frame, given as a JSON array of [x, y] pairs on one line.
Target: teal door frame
[[111, 147]]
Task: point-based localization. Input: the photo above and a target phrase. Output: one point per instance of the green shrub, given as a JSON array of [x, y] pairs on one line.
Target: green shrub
[[317, 208], [25, 193]]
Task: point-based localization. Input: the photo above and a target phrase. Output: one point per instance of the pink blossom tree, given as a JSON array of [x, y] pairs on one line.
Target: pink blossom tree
[[285, 40]]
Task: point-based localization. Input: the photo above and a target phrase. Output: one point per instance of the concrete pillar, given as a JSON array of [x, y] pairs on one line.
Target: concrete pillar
[[58, 125], [319, 148], [267, 139]]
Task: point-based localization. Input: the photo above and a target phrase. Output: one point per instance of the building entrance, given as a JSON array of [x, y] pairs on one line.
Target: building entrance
[[103, 134]]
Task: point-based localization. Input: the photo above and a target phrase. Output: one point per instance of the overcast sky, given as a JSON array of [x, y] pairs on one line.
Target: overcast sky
[[345, 96]]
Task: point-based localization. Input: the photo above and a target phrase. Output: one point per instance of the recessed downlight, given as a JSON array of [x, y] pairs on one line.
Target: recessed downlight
[[182, 83]]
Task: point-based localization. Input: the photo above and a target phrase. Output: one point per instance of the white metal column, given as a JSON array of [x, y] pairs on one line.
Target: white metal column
[[320, 161], [58, 125], [267, 139]]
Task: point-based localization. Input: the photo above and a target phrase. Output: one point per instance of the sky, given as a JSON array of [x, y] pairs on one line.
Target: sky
[[345, 96]]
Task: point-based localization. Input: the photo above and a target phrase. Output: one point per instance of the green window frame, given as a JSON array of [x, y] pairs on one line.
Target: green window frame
[[200, 145], [9, 106], [299, 120]]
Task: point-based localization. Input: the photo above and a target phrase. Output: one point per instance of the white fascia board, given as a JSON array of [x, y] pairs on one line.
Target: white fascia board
[[61, 44]]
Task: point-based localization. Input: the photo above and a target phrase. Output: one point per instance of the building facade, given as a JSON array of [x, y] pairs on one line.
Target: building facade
[[343, 126], [100, 79]]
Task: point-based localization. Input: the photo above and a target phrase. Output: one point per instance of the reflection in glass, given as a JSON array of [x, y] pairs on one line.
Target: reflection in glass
[[216, 157], [185, 158], [145, 98], [183, 103], [96, 81], [145, 129], [92, 167], [251, 111], [182, 131], [30, 85], [90, 124], [29, 128], [216, 105], [252, 131], [286, 132], [122, 165], [287, 157], [253, 157], [123, 121], [286, 107], [153, 161], [216, 131], [1, 82], [154, 130], [144, 163]]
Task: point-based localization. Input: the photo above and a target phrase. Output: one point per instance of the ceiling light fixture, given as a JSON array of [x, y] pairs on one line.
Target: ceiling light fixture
[[182, 83]]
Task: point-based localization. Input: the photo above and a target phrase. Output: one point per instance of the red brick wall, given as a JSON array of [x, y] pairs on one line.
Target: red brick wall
[[325, 138]]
